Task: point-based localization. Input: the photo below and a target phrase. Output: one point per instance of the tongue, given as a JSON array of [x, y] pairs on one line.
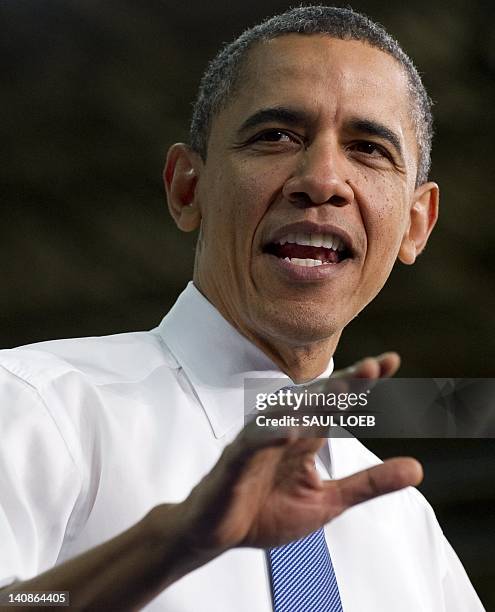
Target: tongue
[[305, 252]]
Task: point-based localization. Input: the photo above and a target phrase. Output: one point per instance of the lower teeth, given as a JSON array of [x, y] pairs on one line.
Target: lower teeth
[[307, 263]]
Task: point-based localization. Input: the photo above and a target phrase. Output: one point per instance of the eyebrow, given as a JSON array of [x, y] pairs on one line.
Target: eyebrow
[[279, 114], [289, 116], [374, 128]]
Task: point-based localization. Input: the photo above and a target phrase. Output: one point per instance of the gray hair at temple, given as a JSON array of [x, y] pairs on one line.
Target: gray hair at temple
[[219, 81]]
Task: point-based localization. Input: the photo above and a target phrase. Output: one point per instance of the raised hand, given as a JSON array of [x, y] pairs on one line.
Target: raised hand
[[264, 491]]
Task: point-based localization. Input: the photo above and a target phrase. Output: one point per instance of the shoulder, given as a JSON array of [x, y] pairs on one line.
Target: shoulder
[[126, 357], [74, 386]]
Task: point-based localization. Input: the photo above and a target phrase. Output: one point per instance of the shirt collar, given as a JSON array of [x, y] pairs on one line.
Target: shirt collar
[[216, 358]]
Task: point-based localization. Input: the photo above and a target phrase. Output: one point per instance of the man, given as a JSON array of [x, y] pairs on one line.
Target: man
[[307, 178]]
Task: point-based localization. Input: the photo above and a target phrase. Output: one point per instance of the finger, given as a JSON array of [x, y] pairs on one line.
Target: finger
[[389, 363], [382, 366], [254, 440], [392, 475], [370, 368], [373, 368]]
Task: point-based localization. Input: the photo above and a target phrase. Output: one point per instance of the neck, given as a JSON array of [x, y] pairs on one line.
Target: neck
[[301, 362], [299, 358]]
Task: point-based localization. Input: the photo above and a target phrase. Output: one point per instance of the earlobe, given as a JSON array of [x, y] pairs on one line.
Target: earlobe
[[423, 216], [180, 176]]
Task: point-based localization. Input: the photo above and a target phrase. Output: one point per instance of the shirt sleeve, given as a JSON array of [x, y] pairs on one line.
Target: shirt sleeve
[[459, 593], [39, 482]]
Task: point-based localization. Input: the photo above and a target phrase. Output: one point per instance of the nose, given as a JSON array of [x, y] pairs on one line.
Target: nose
[[320, 178]]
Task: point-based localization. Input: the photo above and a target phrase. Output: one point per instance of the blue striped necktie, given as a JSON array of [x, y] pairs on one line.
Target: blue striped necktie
[[302, 576]]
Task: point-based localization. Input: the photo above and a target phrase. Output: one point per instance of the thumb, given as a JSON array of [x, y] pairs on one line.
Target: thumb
[[392, 475]]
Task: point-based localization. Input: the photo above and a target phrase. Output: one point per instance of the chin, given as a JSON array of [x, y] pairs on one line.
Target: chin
[[300, 324]]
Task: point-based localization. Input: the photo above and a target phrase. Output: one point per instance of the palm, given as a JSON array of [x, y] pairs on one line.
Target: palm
[[286, 499]]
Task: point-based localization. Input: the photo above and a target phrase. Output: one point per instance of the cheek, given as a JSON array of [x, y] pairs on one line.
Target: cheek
[[235, 201], [257, 181], [252, 189], [384, 211], [385, 217]]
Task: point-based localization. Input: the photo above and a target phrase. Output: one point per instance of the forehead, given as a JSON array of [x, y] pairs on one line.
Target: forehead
[[328, 77]]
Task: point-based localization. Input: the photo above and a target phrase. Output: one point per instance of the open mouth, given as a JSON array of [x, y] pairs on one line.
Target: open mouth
[[309, 249]]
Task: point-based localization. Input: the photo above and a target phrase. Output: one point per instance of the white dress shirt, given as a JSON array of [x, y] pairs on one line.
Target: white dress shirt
[[97, 431]]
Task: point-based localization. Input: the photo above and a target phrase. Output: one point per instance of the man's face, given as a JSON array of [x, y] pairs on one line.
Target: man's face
[[306, 192]]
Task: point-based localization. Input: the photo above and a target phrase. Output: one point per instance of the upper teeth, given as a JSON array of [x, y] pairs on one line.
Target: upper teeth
[[329, 241]]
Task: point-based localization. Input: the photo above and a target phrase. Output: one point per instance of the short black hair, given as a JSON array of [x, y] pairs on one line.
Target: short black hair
[[221, 75]]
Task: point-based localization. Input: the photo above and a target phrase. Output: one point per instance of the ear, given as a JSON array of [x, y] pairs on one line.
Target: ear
[[423, 216], [180, 176]]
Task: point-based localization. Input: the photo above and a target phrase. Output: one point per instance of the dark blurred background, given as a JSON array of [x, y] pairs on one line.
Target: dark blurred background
[[93, 93]]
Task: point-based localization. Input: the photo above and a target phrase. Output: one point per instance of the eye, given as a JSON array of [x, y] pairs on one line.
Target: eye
[[273, 136], [277, 136], [370, 148]]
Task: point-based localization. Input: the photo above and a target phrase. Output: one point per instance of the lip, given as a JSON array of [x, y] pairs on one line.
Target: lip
[[294, 272], [310, 227]]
